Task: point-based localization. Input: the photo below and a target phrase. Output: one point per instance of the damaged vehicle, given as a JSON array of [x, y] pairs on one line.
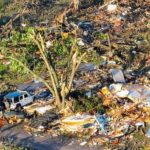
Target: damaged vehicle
[[46, 94], [18, 99]]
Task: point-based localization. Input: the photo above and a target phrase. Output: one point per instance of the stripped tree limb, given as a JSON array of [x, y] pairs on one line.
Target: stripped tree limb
[[41, 47], [34, 74]]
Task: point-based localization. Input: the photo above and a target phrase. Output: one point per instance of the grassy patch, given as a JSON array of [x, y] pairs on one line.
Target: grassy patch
[[88, 104]]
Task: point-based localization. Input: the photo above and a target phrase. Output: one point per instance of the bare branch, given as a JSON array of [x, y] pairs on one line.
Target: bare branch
[[75, 66], [41, 47], [35, 75]]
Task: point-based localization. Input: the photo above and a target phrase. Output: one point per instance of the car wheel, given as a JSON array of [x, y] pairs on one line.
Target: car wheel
[[19, 107], [33, 100]]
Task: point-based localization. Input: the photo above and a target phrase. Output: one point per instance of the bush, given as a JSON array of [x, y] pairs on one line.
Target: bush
[[88, 104]]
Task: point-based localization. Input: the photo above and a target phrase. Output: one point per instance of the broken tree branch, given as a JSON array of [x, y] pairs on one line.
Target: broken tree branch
[[34, 74]]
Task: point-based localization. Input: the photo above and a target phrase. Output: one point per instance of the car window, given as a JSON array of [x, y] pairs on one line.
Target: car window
[[25, 95], [16, 99], [9, 100], [21, 97]]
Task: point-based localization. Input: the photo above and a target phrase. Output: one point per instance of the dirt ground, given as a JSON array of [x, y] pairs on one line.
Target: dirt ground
[[17, 136]]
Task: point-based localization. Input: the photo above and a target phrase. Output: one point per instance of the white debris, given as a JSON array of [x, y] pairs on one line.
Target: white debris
[[115, 87], [41, 128], [49, 44], [111, 62], [111, 7], [43, 110], [140, 124], [85, 33], [39, 107], [135, 92], [80, 42], [134, 52], [23, 24], [83, 143], [123, 93]]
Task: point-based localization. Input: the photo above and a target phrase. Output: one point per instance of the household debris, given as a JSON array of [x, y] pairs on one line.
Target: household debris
[[80, 42], [39, 107], [14, 117], [102, 121], [78, 122], [117, 75], [83, 143], [41, 122], [124, 114], [126, 103], [111, 8], [78, 119], [135, 92]]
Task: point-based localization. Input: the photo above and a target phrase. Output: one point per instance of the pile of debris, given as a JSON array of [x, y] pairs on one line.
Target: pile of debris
[[41, 123], [110, 32], [127, 108]]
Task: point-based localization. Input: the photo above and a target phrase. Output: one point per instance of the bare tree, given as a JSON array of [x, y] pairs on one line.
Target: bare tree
[[59, 85]]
